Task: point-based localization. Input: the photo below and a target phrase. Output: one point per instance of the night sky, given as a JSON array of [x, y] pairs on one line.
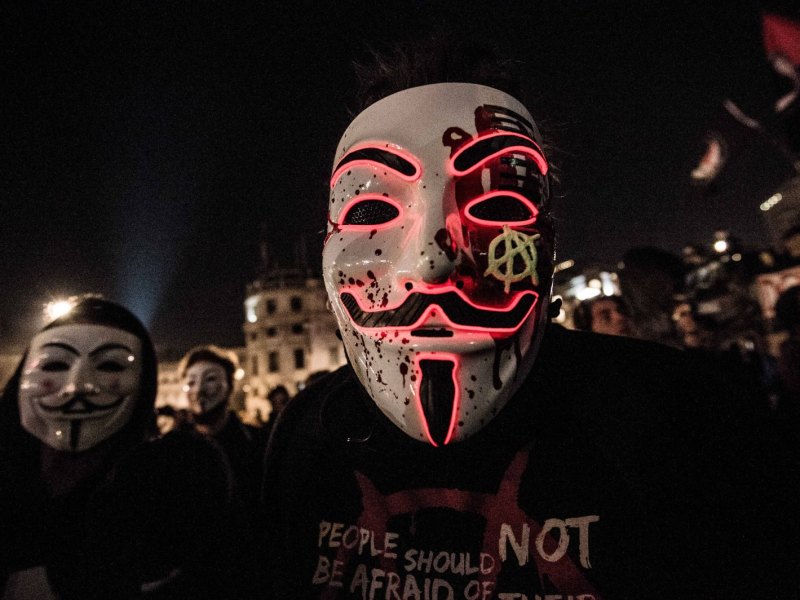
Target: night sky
[[145, 147]]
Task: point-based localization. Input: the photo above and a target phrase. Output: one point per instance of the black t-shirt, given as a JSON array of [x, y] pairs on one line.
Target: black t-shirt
[[617, 471]]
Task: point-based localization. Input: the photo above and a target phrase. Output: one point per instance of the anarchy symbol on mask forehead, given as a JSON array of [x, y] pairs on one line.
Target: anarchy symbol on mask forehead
[[519, 250]]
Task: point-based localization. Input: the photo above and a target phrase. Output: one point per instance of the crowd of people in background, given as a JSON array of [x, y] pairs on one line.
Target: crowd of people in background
[[709, 305]]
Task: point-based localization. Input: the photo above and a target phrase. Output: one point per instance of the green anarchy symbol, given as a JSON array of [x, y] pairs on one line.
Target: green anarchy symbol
[[516, 244]]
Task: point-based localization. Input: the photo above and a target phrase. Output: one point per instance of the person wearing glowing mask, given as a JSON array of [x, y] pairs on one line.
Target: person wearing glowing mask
[[444, 320], [471, 449], [92, 506]]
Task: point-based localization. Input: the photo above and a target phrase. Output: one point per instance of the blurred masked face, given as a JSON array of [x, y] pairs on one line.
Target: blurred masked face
[[438, 260], [80, 384], [206, 386]]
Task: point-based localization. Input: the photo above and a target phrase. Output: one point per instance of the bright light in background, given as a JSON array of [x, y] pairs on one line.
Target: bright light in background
[[603, 283], [720, 246], [771, 201], [58, 308], [562, 314], [250, 308], [609, 280], [564, 265], [587, 293], [239, 375]]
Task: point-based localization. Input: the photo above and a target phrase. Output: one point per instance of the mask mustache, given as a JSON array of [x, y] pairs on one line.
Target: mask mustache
[[88, 406], [457, 309]]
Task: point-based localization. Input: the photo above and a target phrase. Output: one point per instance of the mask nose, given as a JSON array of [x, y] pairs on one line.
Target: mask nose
[[191, 393], [79, 383], [437, 245], [437, 258]]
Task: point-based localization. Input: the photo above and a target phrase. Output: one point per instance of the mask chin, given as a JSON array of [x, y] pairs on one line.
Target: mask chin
[[438, 398], [447, 394], [76, 435], [212, 416]]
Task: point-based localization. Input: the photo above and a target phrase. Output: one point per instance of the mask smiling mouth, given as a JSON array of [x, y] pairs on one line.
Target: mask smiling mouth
[[459, 313], [86, 407]]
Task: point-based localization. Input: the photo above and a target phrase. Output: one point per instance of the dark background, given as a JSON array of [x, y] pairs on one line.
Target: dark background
[[146, 146]]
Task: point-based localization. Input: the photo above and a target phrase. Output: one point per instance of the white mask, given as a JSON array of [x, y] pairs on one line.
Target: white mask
[[80, 385], [433, 187], [206, 386]]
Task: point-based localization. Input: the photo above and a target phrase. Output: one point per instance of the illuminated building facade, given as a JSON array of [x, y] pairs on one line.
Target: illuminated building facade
[[289, 333]]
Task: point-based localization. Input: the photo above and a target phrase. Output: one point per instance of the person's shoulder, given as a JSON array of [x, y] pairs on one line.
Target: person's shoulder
[[238, 430], [609, 354], [601, 372], [318, 412], [310, 401], [176, 456], [181, 443]]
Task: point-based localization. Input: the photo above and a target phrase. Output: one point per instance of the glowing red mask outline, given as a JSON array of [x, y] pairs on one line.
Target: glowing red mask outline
[[382, 147], [537, 156], [361, 197], [439, 356], [528, 204], [354, 291]]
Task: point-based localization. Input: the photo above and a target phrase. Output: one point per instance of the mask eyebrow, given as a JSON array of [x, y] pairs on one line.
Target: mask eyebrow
[[403, 165], [476, 152], [109, 346], [63, 346]]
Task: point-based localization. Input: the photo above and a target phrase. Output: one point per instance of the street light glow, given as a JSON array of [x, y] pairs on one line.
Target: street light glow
[[771, 201], [564, 265], [587, 293], [721, 246], [57, 308]]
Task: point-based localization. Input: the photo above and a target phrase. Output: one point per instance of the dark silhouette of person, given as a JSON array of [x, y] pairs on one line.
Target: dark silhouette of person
[[787, 315], [278, 398], [207, 379]]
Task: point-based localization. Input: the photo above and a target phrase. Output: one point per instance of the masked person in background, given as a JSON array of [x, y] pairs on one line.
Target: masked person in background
[[92, 508], [207, 379], [470, 448]]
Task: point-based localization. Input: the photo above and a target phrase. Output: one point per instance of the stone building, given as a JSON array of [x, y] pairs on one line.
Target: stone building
[[290, 335]]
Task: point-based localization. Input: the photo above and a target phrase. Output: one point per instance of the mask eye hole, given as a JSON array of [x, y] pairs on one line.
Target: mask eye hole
[[54, 366], [369, 212], [111, 366], [501, 208]]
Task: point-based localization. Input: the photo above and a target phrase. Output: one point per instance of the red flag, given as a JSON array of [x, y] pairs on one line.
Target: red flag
[[781, 37]]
